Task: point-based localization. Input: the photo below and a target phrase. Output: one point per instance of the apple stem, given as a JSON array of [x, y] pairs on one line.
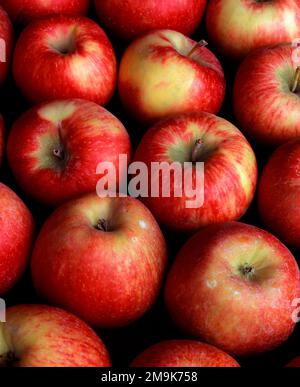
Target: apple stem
[[202, 43], [6, 354], [59, 153], [102, 225], [296, 79], [248, 271], [197, 149]]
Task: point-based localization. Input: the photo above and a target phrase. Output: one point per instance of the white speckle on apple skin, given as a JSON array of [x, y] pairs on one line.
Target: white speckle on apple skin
[[211, 284], [143, 224]]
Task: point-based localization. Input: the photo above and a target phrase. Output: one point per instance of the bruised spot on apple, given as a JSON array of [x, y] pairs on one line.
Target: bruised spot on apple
[[6, 39]]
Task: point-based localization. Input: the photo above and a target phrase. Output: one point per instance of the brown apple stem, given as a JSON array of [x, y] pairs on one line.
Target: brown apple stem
[[202, 43], [102, 225], [296, 79], [197, 150], [6, 353]]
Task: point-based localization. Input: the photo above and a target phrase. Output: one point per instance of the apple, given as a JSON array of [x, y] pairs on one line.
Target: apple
[[1, 138], [230, 170], [266, 100], [183, 353], [42, 336], [128, 19], [26, 11], [54, 149], [237, 27], [65, 57], [6, 43], [295, 363], [234, 285], [279, 193], [100, 258], [164, 73], [16, 237]]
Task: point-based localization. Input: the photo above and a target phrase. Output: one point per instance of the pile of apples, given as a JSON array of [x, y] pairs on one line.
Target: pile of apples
[[102, 263]]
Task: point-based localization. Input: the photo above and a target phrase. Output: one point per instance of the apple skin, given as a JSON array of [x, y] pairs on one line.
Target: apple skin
[[279, 193], [83, 131], [42, 336], [16, 237], [2, 133], [159, 77], [265, 107], [295, 363], [230, 169], [233, 285], [27, 11], [65, 57], [6, 33], [183, 353], [237, 27], [128, 19], [108, 278]]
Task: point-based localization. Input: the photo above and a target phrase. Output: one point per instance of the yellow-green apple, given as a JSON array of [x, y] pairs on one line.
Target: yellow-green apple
[[295, 363], [54, 149], [130, 18], [42, 336], [100, 258], [279, 193], [266, 100], [236, 27], [234, 286], [183, 353], [26, 11], [164, 72], [1, 138], [6, 42], [65, 57], [16, 237], [230, 170]]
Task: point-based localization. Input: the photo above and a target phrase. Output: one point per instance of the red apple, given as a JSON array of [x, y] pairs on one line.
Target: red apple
[[16, 236], [237, 27], [1, 138], [230, 170], [102, 259], [183, 353], [266, 100], [41, 336], [295, 363], [165, 72], [279, 193], [234, 285], [128, 19], [65, 57], [54, 149], [6, 42], [26, 11]]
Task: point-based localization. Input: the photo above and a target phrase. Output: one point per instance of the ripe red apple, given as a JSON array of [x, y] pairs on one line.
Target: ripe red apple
[[16, 237], [41, 336], [6, 43], [65, 57], [234, 285], [237, 27], [183, 353], [230, 170], [1, 138], [102, 259], [279, 193], [266, 100], [26, 11], [128, 19], [165, 72], [295, 363], [54, 149]]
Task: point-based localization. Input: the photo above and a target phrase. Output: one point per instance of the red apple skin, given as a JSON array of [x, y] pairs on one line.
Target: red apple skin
[[1, 138], [43, 336], [279, 193], [87, 133], [237, 27], [129, 19], [264, 104], [230, 170], [209, 296], [160, 77], [123, 267], [65, 57], [183, 353], [16, 237], [6, 33], [27, 11], [295, 363]]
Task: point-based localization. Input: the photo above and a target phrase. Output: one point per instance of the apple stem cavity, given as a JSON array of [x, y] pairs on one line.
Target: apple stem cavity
[[59, 153], [197, 150], [202, 43], [296, 80], [102, 225], [247, 271]]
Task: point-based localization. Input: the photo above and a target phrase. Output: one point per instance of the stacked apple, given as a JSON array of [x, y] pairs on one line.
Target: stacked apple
[[233, 287]]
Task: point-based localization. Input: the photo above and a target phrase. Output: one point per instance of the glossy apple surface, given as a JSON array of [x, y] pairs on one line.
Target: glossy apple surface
[[164, 73], [65, 57], [234, 285], [54, 149], [6, 39], [41, 336]]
